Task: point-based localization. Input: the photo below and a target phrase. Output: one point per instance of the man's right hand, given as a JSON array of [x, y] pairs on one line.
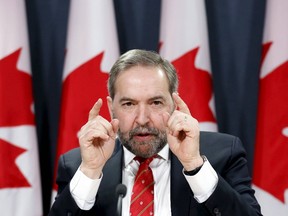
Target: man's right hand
[[97, 142]]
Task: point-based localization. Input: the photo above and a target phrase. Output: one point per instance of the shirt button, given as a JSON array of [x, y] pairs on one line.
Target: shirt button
[[217, 212]]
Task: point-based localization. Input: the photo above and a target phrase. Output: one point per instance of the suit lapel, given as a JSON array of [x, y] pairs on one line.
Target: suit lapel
[[112, 176], [181, 195]]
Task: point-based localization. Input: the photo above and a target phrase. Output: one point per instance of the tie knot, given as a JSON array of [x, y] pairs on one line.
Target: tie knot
[[145, 161]]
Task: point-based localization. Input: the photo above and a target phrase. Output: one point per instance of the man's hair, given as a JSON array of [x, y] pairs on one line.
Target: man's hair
[[138, 57]]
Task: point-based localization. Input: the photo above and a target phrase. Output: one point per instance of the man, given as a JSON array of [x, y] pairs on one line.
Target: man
[[195, 173]]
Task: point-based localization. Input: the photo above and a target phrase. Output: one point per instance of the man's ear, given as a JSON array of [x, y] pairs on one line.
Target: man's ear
[[110, 106]]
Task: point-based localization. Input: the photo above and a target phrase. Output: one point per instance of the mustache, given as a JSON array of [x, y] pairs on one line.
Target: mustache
[[143, 130]]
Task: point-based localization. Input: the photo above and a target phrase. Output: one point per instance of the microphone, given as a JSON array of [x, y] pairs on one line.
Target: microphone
[[121, 191]]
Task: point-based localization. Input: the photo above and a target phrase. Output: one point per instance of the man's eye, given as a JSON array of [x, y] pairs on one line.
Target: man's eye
[[157, 103], [127, 104]]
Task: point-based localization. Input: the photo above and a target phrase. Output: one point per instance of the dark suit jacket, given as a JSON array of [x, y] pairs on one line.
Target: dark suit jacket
[[233, 195]]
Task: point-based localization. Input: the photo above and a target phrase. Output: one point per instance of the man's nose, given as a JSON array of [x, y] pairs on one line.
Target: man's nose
[[143, 115]]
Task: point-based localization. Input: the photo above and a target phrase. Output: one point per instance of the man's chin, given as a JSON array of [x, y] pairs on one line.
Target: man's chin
[[144, 150]]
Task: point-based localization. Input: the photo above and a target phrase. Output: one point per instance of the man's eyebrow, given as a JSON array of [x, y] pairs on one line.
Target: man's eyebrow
[[157, 98], [123, 99]]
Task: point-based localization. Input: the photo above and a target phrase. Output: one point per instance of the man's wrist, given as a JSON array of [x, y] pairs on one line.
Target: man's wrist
[[197, 169], [91, 173], [204, 182]]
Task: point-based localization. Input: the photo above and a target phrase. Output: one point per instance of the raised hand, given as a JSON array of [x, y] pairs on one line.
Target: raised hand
[[97, 141], [183, 135]]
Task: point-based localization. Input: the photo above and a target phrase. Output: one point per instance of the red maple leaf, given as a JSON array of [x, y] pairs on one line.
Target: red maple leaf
[[10, 175], [271, 150], [15, 93], [16, 101], [195, 86], [81, 89]]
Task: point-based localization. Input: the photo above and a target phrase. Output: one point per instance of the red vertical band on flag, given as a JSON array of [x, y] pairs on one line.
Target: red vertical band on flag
[[92, 48], [270, 177], [184, 42], [20, 186]]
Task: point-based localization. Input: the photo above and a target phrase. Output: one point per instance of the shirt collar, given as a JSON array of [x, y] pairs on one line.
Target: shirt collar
[[129, 156]]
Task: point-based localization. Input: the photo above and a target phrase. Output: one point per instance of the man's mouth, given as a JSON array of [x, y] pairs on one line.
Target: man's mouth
[[142, 137], [143, 134]]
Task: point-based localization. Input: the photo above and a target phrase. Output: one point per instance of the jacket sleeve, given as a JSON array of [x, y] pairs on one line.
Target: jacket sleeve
[[233, 194], [64, 204]]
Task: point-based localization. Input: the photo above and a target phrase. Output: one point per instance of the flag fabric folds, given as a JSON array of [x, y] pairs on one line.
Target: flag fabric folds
[[270, 177], [92, 48], [20, 186], [184, 42]]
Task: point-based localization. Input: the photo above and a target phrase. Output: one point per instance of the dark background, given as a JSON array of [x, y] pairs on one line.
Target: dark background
[[235, 33]]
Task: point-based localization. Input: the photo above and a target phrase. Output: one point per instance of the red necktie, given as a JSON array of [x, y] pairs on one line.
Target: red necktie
[[142, 200]]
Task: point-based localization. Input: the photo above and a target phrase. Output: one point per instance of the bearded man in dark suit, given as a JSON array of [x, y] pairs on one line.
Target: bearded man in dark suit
[[195, 173]]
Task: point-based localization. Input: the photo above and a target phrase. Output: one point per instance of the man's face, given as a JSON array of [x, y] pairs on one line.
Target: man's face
[[141, 97]]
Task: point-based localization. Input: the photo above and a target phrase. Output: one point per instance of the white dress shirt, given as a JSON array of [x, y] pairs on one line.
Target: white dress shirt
[[84, 189]]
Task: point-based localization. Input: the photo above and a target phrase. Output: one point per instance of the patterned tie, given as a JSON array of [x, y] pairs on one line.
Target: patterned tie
[[142, 200]]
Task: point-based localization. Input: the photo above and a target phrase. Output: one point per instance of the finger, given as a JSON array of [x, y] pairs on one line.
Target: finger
[[92, 135], [175, 126], [178, 123], [101, 124], [181, 105], [95, 109], [176, 118], [166, 117], [112, 128], [115, 127], [95, 134], [106, 127]]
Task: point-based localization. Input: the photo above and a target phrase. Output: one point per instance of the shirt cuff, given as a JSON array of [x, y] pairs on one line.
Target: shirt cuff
[[84, 190], [203, 183]]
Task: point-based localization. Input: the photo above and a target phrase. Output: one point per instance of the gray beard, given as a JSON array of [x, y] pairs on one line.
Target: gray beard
[[153, 146]]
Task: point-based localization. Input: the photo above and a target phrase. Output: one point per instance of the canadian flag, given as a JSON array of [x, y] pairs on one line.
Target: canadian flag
[[92, 48], [270, 177], [184, 42], [20, 186]]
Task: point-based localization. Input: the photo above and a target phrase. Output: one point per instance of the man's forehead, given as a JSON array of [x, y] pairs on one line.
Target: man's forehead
[[142, 74]]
